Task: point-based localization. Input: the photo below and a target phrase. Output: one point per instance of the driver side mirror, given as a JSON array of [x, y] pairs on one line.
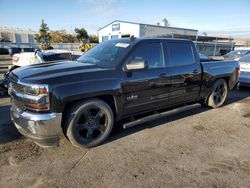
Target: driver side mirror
[[136, 65]]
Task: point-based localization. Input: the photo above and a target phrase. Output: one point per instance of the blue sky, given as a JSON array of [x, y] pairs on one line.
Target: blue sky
[[221, 17]]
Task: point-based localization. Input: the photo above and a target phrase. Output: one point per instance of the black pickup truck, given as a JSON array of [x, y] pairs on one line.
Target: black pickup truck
[[125, 80]]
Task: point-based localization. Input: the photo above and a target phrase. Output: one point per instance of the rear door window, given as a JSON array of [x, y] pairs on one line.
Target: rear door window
[[179, 54]]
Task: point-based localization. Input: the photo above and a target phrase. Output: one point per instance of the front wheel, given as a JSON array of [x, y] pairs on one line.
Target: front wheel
[[89, 123], [218, 94]]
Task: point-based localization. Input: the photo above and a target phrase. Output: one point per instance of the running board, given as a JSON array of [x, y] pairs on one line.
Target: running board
[[159, 115]]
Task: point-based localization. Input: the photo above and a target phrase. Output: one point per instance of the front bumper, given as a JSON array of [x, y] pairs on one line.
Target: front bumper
[[43, 129]]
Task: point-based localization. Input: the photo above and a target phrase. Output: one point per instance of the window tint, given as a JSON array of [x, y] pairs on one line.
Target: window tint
[[151, 53], [180, 54]]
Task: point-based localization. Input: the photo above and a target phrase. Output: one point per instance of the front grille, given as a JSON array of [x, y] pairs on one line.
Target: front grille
[[17, 88], [18, 104]]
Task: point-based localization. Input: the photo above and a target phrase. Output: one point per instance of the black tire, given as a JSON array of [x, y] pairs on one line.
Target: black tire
[[218, 94], [89, 123]]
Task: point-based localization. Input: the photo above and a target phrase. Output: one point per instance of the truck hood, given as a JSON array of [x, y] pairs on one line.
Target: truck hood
[[51, 71]]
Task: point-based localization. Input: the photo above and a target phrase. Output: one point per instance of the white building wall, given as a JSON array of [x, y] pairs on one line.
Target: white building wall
[[119, 29]]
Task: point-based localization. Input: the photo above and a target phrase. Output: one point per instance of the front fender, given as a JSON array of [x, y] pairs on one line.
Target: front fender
[[68, 92]]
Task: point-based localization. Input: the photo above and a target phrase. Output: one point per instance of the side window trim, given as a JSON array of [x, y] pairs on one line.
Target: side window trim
[[192, 49], [166, 54], [162, 55]]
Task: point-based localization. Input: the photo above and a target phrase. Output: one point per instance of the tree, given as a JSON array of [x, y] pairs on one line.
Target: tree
[[93, 39], [62, 36], [68, 38], [204, 33], [247, 43], [56, 37], [43, 35], [81, 34], [165, 22]]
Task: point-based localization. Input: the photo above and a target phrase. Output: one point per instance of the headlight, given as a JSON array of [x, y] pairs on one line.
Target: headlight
[[33, 97], [39, 99], [35, 89]]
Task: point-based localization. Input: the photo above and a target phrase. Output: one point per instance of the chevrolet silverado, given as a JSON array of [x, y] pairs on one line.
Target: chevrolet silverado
[[124, 80]]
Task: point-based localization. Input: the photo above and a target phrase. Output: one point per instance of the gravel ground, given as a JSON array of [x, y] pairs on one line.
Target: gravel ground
[[194, 148]]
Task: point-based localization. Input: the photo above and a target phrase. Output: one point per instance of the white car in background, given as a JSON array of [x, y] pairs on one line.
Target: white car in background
[[245, 70], [236, 54], [30, 58]]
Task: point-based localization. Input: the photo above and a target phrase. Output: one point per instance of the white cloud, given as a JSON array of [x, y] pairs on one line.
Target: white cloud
[[106, 8]]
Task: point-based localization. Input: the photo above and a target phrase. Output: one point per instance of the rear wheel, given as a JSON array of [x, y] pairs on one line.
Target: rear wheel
[[89, 123], [218, 94]]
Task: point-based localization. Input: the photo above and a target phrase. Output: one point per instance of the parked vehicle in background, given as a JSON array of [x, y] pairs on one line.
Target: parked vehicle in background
[[31, 58], [245, 70], [131, 80], [85, 45], [28, 49], [4, 51], [13, 51], [204, 58], [236, 54]]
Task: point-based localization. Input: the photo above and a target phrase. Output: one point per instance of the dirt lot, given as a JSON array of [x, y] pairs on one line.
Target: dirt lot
[[194, 148]]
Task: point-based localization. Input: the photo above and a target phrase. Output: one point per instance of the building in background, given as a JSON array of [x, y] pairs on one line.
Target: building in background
[[17, 35], [209, 45], [120, 29], [21, 38]]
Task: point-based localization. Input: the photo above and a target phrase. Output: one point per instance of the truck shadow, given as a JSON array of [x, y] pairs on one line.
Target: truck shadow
[[235, 96], [119, 132], [8, 131]]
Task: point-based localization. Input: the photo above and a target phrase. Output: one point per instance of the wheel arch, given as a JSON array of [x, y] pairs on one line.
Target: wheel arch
[[226, 78], [109, 99], [72, 111]]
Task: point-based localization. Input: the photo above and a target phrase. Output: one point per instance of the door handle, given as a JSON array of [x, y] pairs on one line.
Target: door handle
[[195, 71], [163, 75]]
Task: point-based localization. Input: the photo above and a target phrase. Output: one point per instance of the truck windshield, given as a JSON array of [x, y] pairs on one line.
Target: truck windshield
[[106, 54]]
